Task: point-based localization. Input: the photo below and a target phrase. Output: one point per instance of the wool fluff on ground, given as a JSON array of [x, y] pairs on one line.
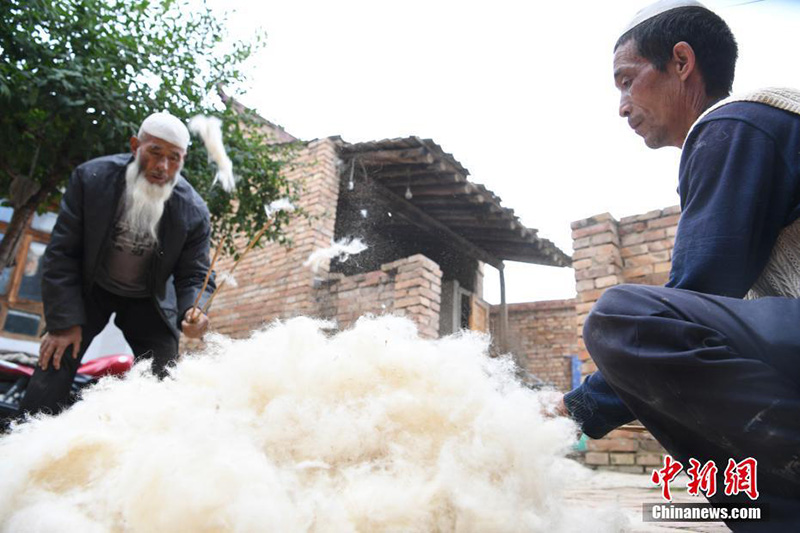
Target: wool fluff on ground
[[299, 429]]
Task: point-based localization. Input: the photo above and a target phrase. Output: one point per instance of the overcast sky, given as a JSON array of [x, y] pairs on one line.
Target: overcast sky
[[521, 93]]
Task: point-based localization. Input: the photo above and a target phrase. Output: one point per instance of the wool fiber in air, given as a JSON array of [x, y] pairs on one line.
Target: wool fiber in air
[[341, 249], [210, 131]]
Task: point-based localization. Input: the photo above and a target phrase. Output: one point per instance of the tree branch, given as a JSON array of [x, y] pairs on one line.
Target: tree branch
[[8, 170]]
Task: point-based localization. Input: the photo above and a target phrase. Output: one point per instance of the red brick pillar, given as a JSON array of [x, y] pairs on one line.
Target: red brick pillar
[[417, 292], [598, 265]]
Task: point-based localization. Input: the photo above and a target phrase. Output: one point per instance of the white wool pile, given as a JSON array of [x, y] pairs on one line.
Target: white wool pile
[[372, 429], [342, 249], [210, 130]]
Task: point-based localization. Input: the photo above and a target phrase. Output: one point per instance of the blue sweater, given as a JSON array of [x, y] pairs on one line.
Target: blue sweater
[[739, 187]]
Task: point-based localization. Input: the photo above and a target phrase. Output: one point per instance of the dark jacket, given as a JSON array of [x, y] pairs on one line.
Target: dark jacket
[[83, 231]]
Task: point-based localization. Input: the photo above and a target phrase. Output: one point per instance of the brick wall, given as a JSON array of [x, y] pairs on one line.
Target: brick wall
[[272, 281], [409, 287], [646, 243], [622, 450], [635, 249], [542, 334]]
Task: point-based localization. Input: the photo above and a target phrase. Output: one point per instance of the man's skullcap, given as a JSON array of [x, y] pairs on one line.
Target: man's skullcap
[[167, 127], [657, 8]]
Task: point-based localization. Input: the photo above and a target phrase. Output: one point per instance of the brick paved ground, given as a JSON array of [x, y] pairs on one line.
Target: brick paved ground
[[629, 492]]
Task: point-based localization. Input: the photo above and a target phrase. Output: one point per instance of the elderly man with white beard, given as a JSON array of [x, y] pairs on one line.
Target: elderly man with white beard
[[132, 238]]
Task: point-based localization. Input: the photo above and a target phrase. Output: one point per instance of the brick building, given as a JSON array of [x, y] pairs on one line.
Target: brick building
[[427, 227]]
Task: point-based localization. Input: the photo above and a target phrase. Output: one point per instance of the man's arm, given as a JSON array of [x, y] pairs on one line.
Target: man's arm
[[62, 284], [596, 407], [190, 272]]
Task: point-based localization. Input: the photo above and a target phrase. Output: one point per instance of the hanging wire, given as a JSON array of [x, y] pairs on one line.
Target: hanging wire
[[745, 3], [350, 184]]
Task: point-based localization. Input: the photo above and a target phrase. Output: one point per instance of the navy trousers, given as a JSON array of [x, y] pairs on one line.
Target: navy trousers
[[710, 377], [145, 331]]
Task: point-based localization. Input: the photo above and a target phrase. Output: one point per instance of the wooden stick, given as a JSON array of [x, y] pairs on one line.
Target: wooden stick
[[233, 268], [208, 276]]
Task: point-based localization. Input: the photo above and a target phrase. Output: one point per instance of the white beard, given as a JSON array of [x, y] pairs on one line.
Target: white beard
[[144, 201]]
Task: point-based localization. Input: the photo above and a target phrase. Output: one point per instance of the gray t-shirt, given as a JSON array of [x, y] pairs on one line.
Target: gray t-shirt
[[126, 265]]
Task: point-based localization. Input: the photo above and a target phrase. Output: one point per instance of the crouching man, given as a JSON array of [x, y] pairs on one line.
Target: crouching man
[[132, 238]]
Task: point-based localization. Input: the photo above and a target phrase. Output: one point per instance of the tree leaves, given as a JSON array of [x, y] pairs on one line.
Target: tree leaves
[[77, 77]]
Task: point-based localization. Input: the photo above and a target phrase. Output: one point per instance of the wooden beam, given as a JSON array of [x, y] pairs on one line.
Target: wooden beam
[[426, 178], [522, 255], [456, 203], [536, 259], [417, 190], [426, 222], [498, 234], [403, 156], [504, 249], [469, 223], [471, 216], [413, 168], [403, 172], [458, 208], [511, 247], [539, 248], [509, 239]]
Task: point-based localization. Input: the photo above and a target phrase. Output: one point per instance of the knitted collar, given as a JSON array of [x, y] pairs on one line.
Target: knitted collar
[[779, 97]]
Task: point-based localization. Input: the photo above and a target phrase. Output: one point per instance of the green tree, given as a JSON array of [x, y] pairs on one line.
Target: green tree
[[77, 77]]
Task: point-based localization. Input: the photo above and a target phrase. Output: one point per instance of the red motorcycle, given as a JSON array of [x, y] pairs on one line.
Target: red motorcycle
[[16, 371]]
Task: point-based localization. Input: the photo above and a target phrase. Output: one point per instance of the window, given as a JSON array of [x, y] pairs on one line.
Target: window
[[22, 323], [5, 277], [30, 287], [456, 308], [21, 314]]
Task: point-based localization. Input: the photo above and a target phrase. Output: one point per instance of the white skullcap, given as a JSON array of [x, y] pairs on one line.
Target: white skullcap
[[167, 127], [662, 6]]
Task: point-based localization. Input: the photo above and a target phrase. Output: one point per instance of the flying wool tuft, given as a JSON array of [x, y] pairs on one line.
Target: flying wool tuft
[[227, 278], [342, 249], [282, 204], [210, 131]]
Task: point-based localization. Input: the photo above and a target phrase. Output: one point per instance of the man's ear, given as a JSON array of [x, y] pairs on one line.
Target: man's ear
[[683, 59], [134, 144]]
